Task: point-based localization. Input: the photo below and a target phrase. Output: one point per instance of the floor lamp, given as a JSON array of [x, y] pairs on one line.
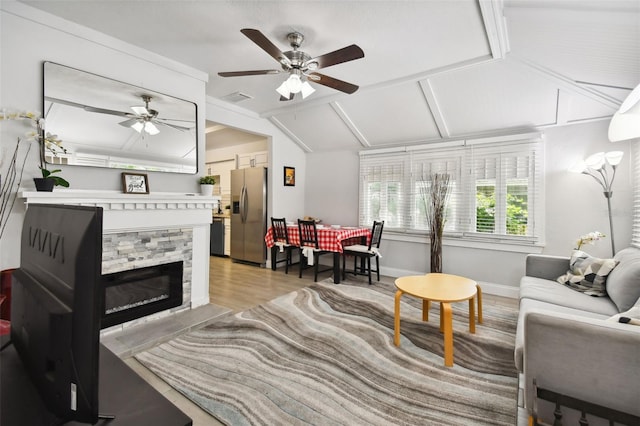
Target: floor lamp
[[602, 167]]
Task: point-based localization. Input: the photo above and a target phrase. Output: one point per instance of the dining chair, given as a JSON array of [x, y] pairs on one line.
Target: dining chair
[[310, 248], [282, 244], [365, 253]]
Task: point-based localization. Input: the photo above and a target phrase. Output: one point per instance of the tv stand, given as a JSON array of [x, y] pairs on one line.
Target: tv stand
[[128, 398]]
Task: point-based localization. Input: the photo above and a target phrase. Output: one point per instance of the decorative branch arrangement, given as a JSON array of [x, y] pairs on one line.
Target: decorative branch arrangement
[[435, 193]]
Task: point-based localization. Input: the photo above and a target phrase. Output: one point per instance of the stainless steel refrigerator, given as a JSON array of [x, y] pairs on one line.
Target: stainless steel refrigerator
[[249, 214]]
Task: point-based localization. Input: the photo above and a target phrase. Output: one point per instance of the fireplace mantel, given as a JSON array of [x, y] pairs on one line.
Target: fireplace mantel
[[125, 213], [129, 212]]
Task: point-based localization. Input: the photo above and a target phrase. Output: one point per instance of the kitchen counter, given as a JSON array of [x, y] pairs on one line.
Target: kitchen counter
[[223, 215]]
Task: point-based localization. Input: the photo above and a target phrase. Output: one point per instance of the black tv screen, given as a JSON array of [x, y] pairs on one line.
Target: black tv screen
[[56, 307]]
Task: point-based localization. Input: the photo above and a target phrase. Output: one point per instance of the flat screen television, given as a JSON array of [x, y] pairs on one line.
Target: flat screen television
[[56, 307]]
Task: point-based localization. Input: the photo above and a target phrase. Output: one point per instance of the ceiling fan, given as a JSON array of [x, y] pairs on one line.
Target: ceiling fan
[[142, 120], [300, 65]]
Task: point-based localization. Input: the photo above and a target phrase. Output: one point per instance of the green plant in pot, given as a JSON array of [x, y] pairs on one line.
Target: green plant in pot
[[50, 144], [206, 185]]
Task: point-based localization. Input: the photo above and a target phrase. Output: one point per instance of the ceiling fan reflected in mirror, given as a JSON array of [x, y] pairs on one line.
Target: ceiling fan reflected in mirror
[[142, 120], [300, 65]]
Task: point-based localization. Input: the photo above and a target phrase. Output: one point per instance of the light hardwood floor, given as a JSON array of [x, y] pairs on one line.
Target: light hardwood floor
[[238, 287]]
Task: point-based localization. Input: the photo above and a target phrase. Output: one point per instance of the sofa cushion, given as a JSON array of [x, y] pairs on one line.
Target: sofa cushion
[[632, 316], [554, 293], [528, 305], [623, 283], [587, 274]]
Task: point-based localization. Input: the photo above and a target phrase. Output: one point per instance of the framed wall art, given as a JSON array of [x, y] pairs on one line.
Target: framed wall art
[[289, 176], [135, 183]]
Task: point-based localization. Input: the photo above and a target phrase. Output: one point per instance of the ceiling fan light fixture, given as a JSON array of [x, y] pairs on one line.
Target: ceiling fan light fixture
[[283, 89], [137, 126], [151, 128], [294, 83], [306, 89]]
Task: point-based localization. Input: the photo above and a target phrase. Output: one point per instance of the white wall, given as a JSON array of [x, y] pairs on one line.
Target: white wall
[[30, 37], [574, 205]]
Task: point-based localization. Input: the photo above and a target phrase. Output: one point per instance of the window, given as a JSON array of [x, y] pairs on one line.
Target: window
[[494, 188]]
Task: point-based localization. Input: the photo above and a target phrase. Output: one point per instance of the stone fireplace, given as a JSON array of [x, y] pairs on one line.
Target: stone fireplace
[[141, 235]]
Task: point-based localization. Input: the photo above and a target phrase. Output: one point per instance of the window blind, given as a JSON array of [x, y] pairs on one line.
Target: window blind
[[494, 188]]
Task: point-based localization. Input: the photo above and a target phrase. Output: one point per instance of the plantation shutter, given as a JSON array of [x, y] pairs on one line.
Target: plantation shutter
[[381, 186], [424, 164], [506, 179], [495, 187]]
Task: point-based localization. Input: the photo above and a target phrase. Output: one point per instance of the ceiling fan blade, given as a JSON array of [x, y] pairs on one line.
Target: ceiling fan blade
[[339, 56], [87, 107], [174, 126], [334, 83], [263, 42], [129, 122], [241, 73], [140, 110]]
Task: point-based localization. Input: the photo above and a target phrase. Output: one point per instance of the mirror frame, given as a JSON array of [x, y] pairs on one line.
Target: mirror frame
[[93, 116]]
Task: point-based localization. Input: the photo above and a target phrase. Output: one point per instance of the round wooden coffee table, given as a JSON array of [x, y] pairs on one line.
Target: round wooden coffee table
[[443, 288]]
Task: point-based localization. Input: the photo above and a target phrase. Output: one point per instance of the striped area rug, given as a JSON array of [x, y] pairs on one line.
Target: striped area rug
[[324, 355]]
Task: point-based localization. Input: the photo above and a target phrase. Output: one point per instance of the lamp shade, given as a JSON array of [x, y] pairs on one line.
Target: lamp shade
[[151, 128], [294, 83], [137, 126], [595, 161], [614, 157], [625, 123], [283, 89], [306, 89]]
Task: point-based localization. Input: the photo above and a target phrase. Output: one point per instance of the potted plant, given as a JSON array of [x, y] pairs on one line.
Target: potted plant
[[206, 185], [47, 143], [12, 178]]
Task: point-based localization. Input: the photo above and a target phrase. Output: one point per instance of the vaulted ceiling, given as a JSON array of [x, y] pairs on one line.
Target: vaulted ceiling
[[433, 69]]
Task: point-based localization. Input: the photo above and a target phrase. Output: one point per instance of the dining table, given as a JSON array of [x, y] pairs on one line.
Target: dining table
[[330, 238]]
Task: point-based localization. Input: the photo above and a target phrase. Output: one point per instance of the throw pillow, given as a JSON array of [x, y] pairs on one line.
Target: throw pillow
[[623, 285], [587, 274]]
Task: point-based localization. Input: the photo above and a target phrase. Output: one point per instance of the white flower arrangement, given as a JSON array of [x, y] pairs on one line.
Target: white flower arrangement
[[10, 181], [589, 238]]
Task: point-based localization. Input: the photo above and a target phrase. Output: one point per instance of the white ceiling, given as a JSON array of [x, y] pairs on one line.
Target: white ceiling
[[433, 69]]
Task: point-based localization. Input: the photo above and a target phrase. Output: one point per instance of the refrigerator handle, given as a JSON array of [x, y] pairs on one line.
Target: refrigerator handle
[[243, 204]]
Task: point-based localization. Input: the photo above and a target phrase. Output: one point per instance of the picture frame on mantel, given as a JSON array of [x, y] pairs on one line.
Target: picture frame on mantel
[[135, 183], [289, 176]]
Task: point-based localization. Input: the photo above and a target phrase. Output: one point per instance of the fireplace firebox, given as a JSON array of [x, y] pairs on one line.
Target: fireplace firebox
[[136, 293]]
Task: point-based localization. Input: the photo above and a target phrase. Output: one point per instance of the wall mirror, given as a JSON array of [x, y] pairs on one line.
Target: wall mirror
[[107, 123]]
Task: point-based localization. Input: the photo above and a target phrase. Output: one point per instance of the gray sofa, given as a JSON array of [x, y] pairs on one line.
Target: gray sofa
[[572, 343]]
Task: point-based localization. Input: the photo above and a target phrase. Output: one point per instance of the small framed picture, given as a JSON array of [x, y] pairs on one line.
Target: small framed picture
[[135, 183], [289, 176]]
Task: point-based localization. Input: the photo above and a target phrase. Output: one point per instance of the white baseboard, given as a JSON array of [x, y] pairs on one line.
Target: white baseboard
[[487, 287], [200, 302]]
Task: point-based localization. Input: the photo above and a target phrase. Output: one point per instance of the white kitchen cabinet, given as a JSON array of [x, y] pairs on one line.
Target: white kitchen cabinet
[[227, 236], [253, 159]]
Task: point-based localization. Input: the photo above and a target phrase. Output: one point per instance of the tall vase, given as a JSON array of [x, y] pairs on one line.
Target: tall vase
[[435, 237]]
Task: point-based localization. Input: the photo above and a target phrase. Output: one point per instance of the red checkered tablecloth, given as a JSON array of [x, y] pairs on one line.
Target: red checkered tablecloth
[[330, 239]]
